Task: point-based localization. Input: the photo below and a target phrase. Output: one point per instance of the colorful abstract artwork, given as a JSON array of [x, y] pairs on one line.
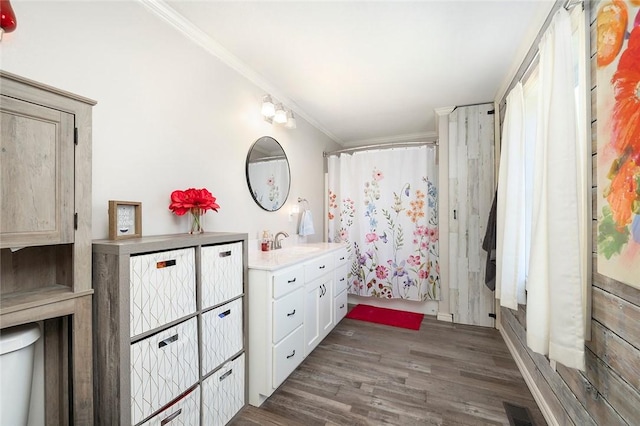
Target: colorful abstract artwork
[[618, 122]]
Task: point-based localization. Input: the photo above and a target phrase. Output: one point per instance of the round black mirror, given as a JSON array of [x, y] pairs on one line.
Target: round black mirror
[[268, 176]]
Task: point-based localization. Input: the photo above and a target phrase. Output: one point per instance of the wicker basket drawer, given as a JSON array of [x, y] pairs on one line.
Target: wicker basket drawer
[[221, 273], [184, 412], [162, 288], [162, 367], [221, 334], [223, 393]]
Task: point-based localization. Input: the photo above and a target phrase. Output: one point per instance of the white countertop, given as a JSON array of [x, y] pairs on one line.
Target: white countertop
[[281, 258]]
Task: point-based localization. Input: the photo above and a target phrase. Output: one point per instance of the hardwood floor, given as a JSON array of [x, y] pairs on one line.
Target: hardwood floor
[[364, 374]]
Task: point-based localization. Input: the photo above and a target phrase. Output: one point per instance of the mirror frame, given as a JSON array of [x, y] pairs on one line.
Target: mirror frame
[[251, 189]]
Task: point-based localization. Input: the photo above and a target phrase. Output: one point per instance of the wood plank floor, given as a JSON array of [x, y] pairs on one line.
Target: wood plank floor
[[367, 374]]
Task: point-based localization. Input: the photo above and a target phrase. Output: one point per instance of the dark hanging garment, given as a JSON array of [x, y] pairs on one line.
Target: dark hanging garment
[[489, 245]]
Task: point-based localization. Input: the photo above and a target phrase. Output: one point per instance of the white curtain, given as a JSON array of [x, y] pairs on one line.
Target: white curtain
[[555, 323], [269, 182], [384, 204], [511, 253]]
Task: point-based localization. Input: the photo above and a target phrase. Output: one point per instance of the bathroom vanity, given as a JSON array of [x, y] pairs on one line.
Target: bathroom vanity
[[296, 296]]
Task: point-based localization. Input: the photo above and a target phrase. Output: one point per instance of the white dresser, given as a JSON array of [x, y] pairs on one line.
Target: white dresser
[[296, 296], [170, 329]]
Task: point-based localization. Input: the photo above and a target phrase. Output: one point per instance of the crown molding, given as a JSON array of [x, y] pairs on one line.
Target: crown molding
[[412, 137], [195, 34]]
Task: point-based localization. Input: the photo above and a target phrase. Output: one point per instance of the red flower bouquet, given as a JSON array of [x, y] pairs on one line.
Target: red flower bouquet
[[194, 201]]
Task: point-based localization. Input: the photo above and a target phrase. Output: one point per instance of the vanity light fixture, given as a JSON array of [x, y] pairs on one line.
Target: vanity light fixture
[[275, 112], [281, 114], [291, 121], [268, 108]]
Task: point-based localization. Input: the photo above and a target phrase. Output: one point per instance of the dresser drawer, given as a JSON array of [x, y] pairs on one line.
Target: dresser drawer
[[341, 257], [162, 288], [223, 393], [341, 281], [221, 273], [287, 281], [221, 334], [162, 367], [184, 412], [341, 306], [288, 314], [287, 355], [317, 267]]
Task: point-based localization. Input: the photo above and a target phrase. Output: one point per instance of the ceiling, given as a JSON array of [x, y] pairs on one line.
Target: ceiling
[[367, 72]]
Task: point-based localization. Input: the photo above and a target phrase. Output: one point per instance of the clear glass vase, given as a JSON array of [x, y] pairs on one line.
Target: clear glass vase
[[196, 221]]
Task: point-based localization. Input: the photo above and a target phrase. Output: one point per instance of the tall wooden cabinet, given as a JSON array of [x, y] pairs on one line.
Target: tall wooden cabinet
[[170, 329], [45, 235]]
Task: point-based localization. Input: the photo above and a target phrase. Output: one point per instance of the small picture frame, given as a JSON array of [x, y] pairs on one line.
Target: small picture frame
[[125, 219]]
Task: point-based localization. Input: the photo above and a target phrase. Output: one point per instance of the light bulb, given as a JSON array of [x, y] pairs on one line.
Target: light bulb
[[291, 121], [268, 109], [281, 114]]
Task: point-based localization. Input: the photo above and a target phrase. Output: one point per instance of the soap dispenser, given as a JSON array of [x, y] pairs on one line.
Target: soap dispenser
[[264, 244]]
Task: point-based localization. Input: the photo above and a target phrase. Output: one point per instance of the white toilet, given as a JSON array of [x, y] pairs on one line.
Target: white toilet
[[17, 347]]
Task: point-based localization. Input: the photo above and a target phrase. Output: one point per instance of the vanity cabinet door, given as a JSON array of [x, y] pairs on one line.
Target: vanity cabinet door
[[318, 317], [36, 175], [340, 307]]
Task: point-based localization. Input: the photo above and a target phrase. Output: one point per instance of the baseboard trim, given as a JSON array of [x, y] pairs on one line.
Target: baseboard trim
[[531, 384], [445, 317]]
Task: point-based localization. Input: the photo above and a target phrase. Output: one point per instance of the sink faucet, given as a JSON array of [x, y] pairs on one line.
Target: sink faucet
[[278, 243]]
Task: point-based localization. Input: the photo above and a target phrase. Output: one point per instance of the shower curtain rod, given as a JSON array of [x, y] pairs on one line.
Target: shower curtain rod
[[379, 146]]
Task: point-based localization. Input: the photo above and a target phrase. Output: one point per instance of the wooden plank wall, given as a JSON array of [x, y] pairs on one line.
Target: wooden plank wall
[[471, 191], [608, 392]]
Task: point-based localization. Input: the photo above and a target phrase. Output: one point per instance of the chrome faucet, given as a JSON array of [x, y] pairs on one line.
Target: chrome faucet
[[277, 244]]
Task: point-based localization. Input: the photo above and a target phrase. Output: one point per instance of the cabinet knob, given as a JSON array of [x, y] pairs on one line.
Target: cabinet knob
[[342, 306], [322, 267]]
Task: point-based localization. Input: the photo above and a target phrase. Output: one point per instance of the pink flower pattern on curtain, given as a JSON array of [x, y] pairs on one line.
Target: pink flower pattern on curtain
[[386, 212]]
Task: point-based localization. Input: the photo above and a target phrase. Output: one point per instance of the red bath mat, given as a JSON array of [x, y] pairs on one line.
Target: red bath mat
[[392, 317]]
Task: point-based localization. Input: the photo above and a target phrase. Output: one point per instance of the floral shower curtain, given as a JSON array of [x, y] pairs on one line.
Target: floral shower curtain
[[384, 205]]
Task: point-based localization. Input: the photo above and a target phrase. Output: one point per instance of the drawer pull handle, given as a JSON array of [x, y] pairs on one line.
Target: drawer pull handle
[[342, 258], [342, 279], [171, 417], [292, 354], [168, 341], [322, 267], [342, 306], [225, 313], [165, 264], [225, 375], [291, 281], [225, 253], [291, 313]]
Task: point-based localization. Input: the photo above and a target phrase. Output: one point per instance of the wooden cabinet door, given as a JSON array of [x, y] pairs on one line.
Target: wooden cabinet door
[[36, 175], [318, 316]]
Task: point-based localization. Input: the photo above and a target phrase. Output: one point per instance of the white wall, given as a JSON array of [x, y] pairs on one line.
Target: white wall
[[169, 115]]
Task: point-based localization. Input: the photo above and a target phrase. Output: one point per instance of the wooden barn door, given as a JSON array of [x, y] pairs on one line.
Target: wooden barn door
[[471, 192]]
